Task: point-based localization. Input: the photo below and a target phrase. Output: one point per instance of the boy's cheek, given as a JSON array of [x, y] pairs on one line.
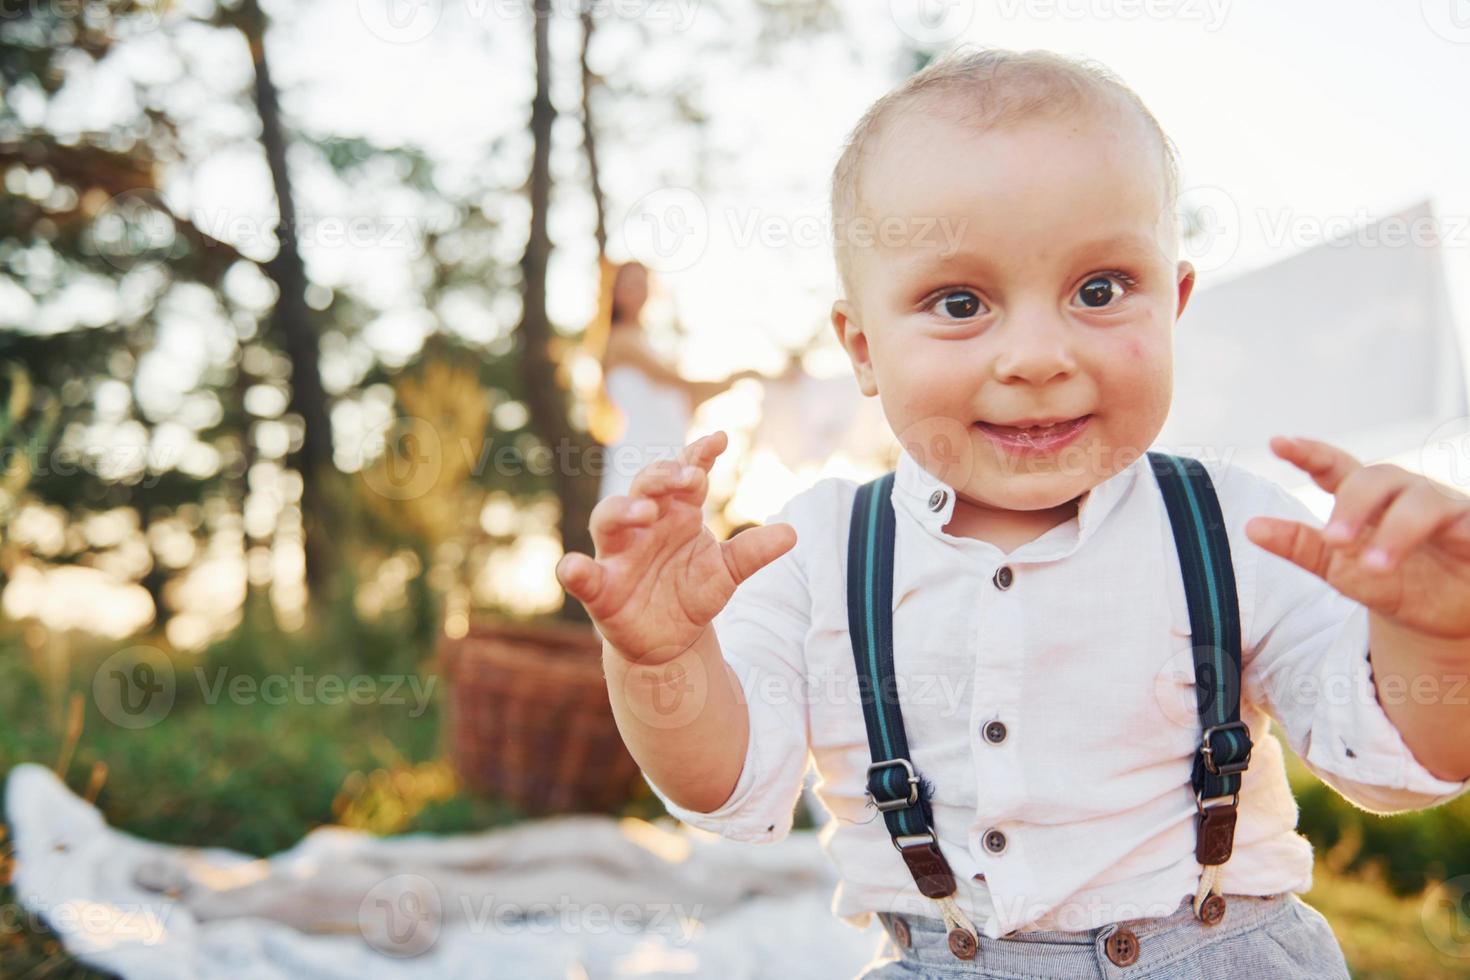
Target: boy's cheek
[[925, 376], [1133, 349], [1141, 354]]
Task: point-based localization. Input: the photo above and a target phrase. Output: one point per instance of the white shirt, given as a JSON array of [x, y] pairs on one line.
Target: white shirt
[[1086, 660]]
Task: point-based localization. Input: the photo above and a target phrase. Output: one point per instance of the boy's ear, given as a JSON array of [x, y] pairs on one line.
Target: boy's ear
[[850, 335], [1186, 285]]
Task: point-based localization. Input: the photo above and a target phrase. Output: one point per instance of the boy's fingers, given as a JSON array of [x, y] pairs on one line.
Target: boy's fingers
[[1324, 463], [580, 576], [703, 451], [1361, 499], [617, 514], [1414, 516], [1298, 543], [751, 550], [698, 484], [660, 478]]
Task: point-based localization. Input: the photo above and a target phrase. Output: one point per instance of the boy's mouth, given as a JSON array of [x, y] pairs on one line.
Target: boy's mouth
[[1034, 436]]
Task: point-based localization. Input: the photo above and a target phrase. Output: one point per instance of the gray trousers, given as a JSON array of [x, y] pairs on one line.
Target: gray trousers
[[1279, 937]]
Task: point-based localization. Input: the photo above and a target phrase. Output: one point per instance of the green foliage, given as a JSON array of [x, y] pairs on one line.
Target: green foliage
[[1386, 936]]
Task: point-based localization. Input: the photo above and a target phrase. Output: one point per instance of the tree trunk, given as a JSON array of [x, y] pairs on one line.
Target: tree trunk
[[572, 471], [293, 326], [589, 133]]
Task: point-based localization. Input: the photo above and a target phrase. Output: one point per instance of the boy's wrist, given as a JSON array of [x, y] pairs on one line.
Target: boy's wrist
[[671, 694], [684, 720], [704, 645]]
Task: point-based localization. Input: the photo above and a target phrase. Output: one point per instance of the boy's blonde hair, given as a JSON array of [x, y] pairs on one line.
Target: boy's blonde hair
[[985, 88]]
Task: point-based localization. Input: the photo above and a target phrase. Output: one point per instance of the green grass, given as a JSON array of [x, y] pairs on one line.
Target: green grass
[[1385, 936]]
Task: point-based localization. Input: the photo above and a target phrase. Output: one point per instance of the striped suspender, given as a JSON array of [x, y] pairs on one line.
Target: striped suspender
[[893, 784], [901, 793], [1214, 622]]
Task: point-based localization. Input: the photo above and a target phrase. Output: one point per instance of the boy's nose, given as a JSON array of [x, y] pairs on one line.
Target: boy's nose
[[1035, 350]]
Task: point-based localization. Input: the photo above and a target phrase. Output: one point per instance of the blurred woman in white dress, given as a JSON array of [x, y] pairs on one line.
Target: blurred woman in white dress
[[654, 402], [642, 410]]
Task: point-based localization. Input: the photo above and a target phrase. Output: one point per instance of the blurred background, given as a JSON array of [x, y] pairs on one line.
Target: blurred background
[[322, 324]]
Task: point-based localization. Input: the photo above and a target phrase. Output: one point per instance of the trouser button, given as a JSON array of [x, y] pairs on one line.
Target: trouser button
[[1122, 947], [962, 943], [901, 932]]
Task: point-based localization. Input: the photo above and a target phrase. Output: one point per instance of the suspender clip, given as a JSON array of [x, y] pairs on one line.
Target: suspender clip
[[927, 838], [912, 778], [1215, 803], [930, 871], [1207, 750], [1215, 828]]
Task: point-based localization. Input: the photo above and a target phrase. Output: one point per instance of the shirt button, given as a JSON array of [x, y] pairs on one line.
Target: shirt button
[[995, 732], [937, 499], [995, 841], [1003, 577]]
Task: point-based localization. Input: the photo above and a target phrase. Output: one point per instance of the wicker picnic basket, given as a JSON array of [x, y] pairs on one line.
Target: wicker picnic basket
[[529, 720]]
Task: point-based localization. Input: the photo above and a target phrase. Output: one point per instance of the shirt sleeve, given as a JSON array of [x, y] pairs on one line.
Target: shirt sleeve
[[1306, 663], [762, 633]]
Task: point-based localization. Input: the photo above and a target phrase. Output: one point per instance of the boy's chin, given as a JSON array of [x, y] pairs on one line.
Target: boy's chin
[[1033, 491]]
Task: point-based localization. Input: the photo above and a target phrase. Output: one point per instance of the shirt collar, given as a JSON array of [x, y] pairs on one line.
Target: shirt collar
[[931, 501]]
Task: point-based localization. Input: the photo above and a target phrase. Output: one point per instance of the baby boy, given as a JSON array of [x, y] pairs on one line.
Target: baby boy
[[1043, 601]]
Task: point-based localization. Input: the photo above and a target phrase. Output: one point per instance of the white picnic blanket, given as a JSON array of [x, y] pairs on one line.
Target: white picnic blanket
[[577, 896]]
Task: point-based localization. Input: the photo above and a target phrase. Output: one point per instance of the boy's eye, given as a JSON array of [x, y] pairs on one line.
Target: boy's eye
[[1099, 291], [961, 304]]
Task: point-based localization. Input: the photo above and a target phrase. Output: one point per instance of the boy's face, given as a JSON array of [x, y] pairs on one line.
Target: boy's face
[[1017, 275]]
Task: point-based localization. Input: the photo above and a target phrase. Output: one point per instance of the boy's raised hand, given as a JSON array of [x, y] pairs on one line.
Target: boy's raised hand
[[659, 575], [1397, 542]]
